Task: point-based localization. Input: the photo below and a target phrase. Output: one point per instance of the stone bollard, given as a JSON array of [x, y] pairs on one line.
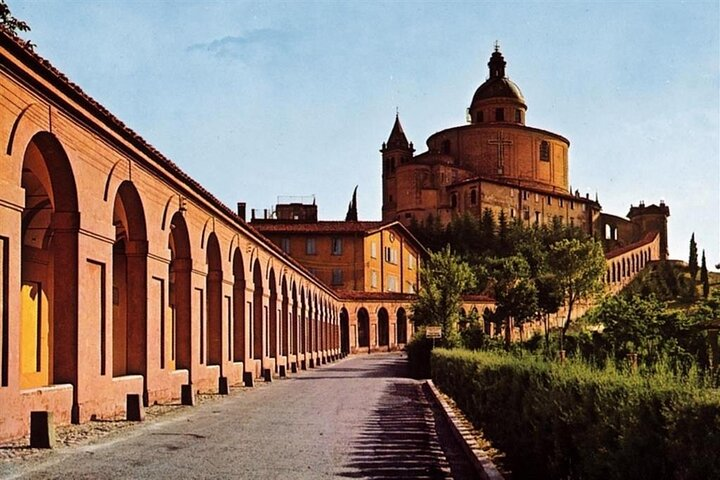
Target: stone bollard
[[134, 411], [42, 430], [223, 387], [187, 395], [248, 379]]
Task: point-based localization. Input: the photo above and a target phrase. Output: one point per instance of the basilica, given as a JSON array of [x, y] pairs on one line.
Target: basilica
[[497, 162]]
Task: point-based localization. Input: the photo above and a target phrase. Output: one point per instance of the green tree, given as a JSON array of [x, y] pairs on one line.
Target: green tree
[[514, 291], [704, 277], [487, 231], [444, 278], [579, 266], [10, 25], [693, 259]]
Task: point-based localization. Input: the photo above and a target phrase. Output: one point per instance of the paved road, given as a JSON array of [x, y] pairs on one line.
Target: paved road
[[358, 418]]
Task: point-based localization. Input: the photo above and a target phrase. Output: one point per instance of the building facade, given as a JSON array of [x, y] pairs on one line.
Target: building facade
[[120, 275], [497, 162]]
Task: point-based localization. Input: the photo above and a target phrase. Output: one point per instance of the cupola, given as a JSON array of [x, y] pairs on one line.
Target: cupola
[[498, 99]]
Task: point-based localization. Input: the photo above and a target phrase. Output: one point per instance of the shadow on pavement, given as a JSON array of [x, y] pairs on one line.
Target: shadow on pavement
[[398, 439]]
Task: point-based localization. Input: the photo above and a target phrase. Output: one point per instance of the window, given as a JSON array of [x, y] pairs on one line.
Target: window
[[391, 255], [499, 115], [526, 213], [373, 250], [525, 195], [572, 205], [512, 213], [453, 200], [537, 218], [584, 207], [561, 202], [310, 246], [285, 245], [337, 246], [549, 200], [518, 116], [479, 117], [337, 276], [373, 279], [473, 197], [537, 198], [392, 284], [409, 287], [411, 261], [544, 151], [392, 164]]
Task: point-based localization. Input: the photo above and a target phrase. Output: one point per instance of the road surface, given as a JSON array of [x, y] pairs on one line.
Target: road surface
[[358, 418]]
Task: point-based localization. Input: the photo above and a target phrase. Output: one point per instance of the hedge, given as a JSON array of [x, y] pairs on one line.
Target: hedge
[[570, 421]]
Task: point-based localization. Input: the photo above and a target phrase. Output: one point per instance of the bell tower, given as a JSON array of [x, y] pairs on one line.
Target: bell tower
[[396, 152]]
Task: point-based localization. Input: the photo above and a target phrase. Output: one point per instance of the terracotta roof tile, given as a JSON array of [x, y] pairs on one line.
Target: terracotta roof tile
[[317, 227], [647, 239]]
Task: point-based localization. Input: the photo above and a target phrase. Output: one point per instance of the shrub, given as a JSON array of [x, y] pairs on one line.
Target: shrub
[[572, 421]]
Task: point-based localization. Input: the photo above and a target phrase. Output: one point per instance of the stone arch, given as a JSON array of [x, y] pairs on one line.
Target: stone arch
[[238, 347], [129, 283], [383, 328], [49, 266], [272, 321], [294, 338], [285, 318], [302, 338], [180, 268], [401, 326], [363, 325], [213, 292], [257, 321]]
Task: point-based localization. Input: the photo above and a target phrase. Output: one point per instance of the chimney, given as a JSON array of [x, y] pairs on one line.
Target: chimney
[[241, 210]]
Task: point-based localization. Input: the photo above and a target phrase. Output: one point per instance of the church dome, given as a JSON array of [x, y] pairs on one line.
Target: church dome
[[498, 99], [496, 87]]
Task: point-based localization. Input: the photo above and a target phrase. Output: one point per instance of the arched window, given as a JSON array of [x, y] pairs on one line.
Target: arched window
[[544, 151], [473, 197]]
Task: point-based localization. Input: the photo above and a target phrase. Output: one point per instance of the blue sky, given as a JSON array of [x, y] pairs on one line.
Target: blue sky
[[260, 99]]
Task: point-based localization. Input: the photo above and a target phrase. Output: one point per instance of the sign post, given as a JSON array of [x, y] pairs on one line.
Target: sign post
[[433, 332]]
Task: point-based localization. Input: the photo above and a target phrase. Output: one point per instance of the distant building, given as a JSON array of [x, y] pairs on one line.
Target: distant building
[[497, 162]]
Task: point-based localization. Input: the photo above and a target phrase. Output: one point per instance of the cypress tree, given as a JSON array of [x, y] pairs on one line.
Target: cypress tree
[[704, 277], [693, 260]]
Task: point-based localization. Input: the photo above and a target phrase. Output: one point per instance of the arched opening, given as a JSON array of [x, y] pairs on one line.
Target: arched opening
[[383, 328], [238, 307], [49, 267], [302, 339], [272, 320], [401, 326], [214, 301], [179, 333], [257, 320], [363, 334], [294, 340], [310, 321], [285, 319], [129, 284]]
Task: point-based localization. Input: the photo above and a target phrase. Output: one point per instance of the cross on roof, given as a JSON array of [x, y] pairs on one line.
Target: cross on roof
[[497, 46], [501, 143]]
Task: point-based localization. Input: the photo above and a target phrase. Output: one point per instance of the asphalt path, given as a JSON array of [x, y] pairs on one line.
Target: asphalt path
[[358, 418]]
